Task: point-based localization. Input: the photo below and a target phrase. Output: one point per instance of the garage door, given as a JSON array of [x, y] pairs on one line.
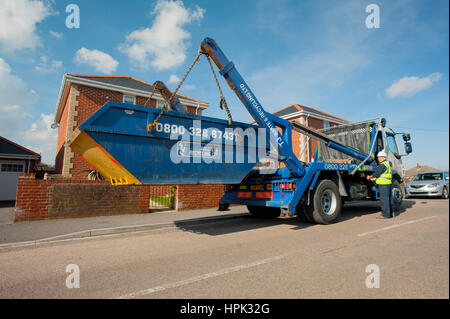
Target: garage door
[[9, 174]]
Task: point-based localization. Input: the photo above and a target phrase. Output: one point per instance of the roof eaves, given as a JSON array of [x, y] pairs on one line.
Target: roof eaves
[[325, 113], [133, 78], [20, 146]]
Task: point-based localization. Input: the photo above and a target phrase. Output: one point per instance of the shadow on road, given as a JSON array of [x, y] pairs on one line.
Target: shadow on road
[[246, 223], [242, 224], [352, 210]]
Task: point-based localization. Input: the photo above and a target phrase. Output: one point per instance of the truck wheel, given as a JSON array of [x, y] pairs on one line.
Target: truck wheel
[[397, 195], [262, 211], [224, 207], [327, 204], [254, 210], [301, 214]]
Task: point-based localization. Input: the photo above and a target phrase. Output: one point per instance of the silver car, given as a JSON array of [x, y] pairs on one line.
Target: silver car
[[429, 184]]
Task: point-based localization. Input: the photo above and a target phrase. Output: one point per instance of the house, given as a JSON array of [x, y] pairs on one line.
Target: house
[[303, 146], [82, 95], [14, 159]]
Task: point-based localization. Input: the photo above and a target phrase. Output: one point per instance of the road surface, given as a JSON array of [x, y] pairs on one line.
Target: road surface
[[248, 258]]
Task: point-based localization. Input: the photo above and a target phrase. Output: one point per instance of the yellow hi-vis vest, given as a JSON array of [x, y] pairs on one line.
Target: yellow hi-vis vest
[[386, 177]]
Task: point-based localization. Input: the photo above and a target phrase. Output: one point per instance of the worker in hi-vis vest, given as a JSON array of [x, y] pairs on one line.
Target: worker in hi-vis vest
[[383, 179]]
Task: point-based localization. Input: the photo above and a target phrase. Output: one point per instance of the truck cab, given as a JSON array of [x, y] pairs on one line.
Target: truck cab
[[386, 139]]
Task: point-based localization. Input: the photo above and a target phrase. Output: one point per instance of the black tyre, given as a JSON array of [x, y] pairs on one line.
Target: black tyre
[[327, 204], [445, 193], [397, 195], [254, 210], [261, 211], [301, 214], [224, 207]]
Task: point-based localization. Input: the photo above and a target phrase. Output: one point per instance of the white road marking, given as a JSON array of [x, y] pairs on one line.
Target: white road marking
[[201, 277], [395, 226]]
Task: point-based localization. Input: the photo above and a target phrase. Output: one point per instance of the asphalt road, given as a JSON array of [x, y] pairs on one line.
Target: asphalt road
[[248, 258]]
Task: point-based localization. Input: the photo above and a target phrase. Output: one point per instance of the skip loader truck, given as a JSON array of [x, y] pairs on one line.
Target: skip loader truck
[[131, 144]]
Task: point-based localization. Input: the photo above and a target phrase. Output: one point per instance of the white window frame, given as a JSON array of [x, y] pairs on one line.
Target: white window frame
[[126, 95], [21, 163]]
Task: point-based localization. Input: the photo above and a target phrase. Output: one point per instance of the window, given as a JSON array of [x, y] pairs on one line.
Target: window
[[12, 167], [326, 125], [129, 99], [428, 177], [392, 144], [380, 145]]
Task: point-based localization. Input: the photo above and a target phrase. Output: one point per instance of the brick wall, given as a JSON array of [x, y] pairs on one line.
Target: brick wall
[[192, 196], [315, 124], [89, 100], [61, 198]]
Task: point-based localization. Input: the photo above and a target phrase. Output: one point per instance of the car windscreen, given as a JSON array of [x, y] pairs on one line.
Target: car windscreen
[[428, 177]]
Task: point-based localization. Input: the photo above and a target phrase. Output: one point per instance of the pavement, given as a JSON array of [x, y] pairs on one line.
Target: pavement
[[31, 232]]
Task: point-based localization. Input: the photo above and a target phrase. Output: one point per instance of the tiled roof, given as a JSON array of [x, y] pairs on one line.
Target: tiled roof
[[9, 147], [126, 82], [294, 108]]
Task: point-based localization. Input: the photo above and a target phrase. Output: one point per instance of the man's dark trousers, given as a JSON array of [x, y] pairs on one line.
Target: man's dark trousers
[[385, 198]]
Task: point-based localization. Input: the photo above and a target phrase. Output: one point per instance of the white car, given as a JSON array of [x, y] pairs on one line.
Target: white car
[[432, 184]]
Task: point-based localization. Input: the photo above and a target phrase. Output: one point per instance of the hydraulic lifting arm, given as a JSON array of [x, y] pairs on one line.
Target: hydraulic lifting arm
[[267, 120], [262, 118]]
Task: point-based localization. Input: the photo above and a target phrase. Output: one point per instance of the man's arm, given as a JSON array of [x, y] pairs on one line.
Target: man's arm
[[380, 170]]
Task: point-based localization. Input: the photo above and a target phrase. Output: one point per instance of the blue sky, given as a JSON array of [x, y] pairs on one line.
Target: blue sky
[[315, 53]]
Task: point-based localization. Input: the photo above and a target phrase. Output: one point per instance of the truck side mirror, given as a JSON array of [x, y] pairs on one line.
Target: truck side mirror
[[408, 148], [406, 137]]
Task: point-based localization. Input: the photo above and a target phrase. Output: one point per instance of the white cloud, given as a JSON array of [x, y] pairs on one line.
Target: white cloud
[[410, 85], [16, 102], [16, 106], [56, 34], [174, 79], [189, 86], [14, 93], [163, 46], [101, 61], [18, 21], [43, 138], [46, 66]]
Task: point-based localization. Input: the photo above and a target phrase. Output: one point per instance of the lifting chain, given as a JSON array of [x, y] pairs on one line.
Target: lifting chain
[[223, 103], [151, 126]]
